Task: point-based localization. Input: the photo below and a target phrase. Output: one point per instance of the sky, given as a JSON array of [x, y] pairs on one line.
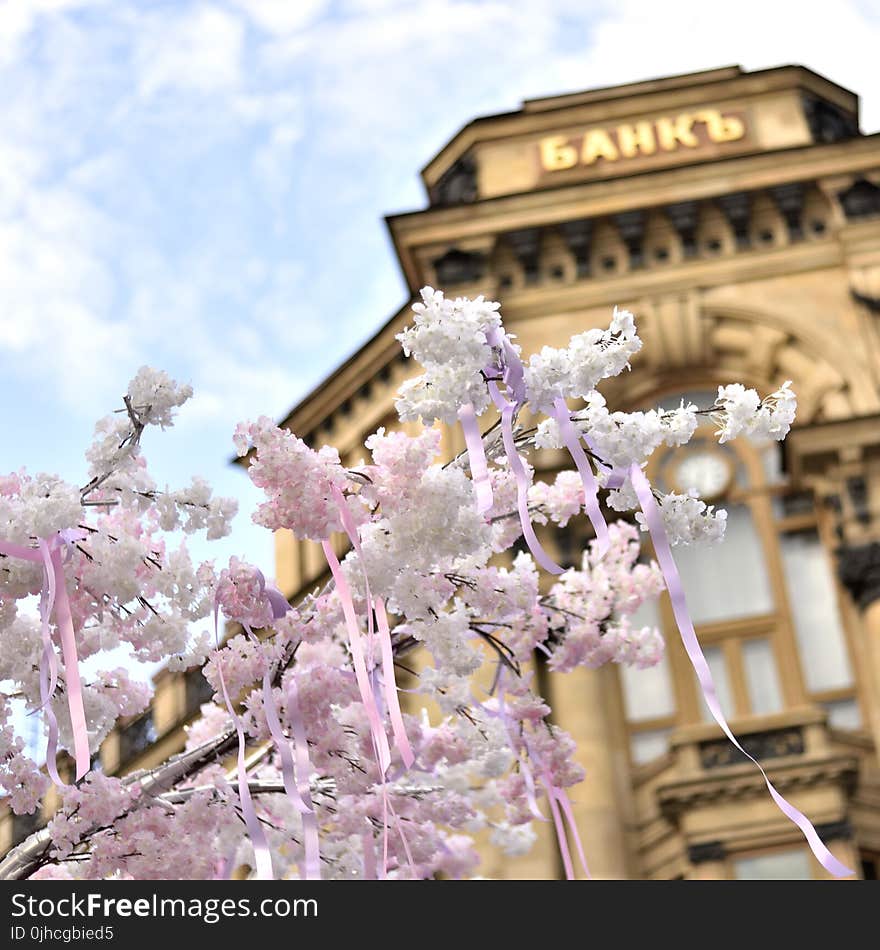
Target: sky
[[199, 186]]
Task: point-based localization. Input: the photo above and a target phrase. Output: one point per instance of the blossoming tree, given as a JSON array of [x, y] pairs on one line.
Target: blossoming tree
[[333, 777]]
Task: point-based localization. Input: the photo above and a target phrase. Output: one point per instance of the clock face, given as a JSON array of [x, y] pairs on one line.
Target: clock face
[[707, 472]]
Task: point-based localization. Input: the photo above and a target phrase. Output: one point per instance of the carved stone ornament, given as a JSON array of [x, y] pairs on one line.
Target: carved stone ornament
[[859, 569]]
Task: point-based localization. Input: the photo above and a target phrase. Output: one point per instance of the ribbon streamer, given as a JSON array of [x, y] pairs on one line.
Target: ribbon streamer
[[55, 593], [476, 457], [312, 866], [377, 606], [522, 482], [262, 855], [562, 799], [398, 728], [695, 653], [49, 667], [572, 441], [298, 793], [380, 740]]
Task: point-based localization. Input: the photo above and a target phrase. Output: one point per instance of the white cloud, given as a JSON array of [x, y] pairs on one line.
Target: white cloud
[[200, 184], [282, 16], [199, 50]]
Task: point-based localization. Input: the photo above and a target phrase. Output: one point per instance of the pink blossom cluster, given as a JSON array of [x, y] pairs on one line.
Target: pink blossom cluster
[[299, 482], [488, 756], [241, 594]]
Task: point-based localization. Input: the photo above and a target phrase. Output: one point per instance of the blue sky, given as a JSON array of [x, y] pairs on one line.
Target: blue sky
[[199, 185]]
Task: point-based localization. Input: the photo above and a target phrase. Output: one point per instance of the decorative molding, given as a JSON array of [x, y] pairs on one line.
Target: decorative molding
[[457, 185], [835, 830], [719, 753], [459, 267], [871, 303], [860, 200], [706, 851], [859, 571], [740, 784], [526, 244], [790, 201], [828, 123], [684, 217], [737, 209]]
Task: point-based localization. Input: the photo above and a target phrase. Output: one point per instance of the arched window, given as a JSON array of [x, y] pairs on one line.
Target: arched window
[[764, 602]]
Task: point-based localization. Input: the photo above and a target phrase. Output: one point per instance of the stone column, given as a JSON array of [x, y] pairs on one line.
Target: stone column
[[859, 566], [582, 705]]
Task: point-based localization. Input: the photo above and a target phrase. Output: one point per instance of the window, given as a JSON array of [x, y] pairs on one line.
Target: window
[[135, 737], [793, 865], [647, 694], [843, 714], [764, 602], [762, 682], [198, 691], [648, 698], [648, 744], [25, 825], [720, 677], [816, 618], [706, 574]]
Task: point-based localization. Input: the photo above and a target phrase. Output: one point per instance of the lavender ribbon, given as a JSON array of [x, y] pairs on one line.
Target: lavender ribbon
[[262, 855], [476, 457], [695, 653], [301, 802], [522, 482], [312, 867], [54, 596], [572, 441]]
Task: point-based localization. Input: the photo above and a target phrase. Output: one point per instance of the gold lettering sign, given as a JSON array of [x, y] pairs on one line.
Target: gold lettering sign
[[689, 130]]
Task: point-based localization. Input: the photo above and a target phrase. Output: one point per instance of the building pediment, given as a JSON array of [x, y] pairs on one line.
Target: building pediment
[[640, 127]]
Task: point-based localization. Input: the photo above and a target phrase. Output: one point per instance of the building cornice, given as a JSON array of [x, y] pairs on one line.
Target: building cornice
[[618, 103]]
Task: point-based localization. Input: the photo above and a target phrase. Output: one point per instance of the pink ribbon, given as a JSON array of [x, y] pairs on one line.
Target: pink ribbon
[[312, 866], [377, 606], [572, 441], [560, 807], [401, 739], [55, 595], [522, 482], [49, 666], [301, 799], [695, 653], [524, 766], [476, 457], [262, 855], [369, 849], [298, 793], [380, 740]]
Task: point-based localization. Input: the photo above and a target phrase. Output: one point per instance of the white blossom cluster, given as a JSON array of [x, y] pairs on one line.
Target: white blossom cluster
[[195, 509], [449, 640], [449, 339], [589, 358], [623, 438], [154, 396], [37, 507], [126, 585], [741, 411], [688, 520], [438, 530]]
